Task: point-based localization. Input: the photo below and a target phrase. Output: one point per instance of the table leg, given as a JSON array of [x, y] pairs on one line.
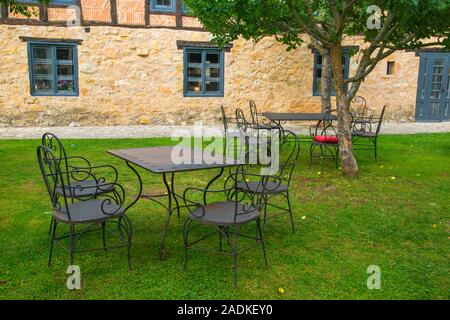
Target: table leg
[[174, 194], [140, 184], [169, 213]]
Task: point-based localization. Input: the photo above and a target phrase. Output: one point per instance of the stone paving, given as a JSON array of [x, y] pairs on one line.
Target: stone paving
[[167, 131]]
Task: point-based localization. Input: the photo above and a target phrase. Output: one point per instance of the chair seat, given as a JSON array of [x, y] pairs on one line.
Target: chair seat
[[89, 211], [327, 139], [85, 188], [257, 187], [364, 134], [222, 214]]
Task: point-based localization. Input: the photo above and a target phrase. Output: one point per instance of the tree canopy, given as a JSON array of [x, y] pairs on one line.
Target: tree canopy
[[414, 20]]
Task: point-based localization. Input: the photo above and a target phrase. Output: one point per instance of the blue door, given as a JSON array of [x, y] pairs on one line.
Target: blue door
[[433, 93]]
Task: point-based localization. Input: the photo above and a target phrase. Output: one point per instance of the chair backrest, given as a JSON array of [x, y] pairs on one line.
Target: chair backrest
[[247, 202], [52, 142], [241, 122], [54, 179], [358, 106], [253, 112], [325, 127], [380, 120]]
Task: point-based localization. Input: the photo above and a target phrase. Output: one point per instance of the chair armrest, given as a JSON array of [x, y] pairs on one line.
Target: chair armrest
[[86, 162], [78, 173], [203, 192]]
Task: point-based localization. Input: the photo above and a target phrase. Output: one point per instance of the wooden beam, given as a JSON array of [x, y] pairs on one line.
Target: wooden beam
[[202, 44], [147, 13], [89, 23], [43, 13], [78, 4], [113, 5], [57, 40], [179, 17], [4, 10]]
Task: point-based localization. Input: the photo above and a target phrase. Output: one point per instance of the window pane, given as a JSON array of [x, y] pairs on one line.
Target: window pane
[[65, 86], [195, 72], [195, 57], [318, 73], [65, 70], [42, 53], [319, 58], [212, 58], [212, 86], [194, 86], [43, 70], [213, 73], [64, 54], [43, 86], [164, 3]]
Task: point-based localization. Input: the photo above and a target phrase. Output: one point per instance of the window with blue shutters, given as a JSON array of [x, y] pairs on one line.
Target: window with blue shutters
[[203, 72], [53, 69], [317, 81]]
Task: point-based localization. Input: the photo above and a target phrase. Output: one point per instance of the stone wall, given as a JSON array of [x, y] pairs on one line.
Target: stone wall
[[130, 76]]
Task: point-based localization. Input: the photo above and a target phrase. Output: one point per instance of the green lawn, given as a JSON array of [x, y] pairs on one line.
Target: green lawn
[[395, 215]]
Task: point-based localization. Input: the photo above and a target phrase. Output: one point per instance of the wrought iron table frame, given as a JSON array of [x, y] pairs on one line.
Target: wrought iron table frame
[[166, 173]]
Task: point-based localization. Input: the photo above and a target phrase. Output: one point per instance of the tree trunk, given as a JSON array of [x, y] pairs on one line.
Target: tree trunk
[[349, 164], [327, 81]]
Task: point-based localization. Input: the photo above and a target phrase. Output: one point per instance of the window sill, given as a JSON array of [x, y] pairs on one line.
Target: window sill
[[55, 95], [192, 95], [315, 94]]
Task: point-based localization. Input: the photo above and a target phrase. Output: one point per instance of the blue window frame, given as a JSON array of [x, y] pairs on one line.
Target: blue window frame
[[203, 72], [53, 69], [163, 5], [317, 81], [166, 6]]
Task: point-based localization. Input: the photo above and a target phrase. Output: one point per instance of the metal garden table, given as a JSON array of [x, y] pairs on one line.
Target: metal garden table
[[158, 160]]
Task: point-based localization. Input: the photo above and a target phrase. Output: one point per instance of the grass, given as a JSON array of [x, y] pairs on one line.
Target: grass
[[395, 215]]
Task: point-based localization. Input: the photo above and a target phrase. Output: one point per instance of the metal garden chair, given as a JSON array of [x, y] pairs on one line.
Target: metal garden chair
[[226, 217], [370, 132], [278, 184], [90, 205], [325, 139], [358, 106], [361, 114], [77, 170]]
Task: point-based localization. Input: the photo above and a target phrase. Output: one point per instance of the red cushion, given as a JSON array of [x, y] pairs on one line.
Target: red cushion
[[326, 139]]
